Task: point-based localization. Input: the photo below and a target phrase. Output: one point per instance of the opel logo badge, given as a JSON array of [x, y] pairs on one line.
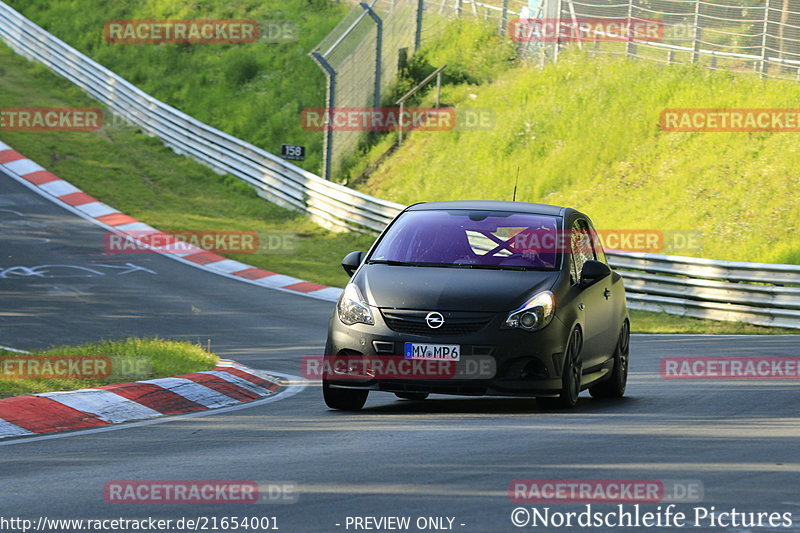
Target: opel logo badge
[[434, 320]]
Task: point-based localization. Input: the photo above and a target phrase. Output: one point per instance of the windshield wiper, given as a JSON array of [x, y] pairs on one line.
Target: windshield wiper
[[449, 265], [499, 267], [391, 263]]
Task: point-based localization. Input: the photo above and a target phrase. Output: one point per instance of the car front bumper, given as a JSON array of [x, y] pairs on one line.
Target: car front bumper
[[524, 363]]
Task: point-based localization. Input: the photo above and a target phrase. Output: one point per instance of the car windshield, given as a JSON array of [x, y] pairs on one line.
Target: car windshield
[[470, 239]]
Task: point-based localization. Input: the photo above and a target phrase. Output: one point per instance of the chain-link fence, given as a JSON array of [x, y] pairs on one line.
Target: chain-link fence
[[760, 36], [362, 55]]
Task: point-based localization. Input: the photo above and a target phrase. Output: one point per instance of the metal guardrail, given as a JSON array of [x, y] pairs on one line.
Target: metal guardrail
[[754, 293], [329, 204]]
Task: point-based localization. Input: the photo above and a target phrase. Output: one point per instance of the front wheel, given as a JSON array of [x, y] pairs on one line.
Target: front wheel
[[344, 399], [571, 376], [614, 387]]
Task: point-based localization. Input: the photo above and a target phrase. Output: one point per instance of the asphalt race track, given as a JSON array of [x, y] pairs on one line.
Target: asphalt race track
[[446, 457]]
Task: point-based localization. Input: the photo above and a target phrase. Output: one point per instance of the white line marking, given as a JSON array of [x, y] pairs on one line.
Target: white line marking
[[8, 348], [756, 335], [227, 266], [7, 429], [23, 166], [102, 403], [278, 280], [135, 226], [205, 396], [96, 209], [236, 380], [59, 188]]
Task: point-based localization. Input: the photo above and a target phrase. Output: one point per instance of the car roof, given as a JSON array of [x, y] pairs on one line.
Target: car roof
[[493, 205]]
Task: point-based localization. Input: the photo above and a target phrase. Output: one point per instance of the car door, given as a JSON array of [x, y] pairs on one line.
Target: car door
[[614, 297], [593, 301]]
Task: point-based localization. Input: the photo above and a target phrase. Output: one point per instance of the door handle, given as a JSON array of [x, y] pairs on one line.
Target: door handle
[[581, 306], [606, 293]]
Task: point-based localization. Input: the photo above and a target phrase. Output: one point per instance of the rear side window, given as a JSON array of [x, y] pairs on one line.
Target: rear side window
[[581, 247]]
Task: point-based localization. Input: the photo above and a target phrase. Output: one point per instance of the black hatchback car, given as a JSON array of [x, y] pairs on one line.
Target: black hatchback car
[[479, 298]]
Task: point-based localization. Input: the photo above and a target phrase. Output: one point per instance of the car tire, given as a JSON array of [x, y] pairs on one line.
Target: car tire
[[344, 399], [614, 386], [412, 395], [570, 376]]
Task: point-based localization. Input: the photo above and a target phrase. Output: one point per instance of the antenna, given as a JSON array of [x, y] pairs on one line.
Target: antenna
[[514, 199]]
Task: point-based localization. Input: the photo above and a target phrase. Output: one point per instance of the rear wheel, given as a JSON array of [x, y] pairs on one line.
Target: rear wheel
[[344, 399], [614, 387], [571, 375], [411, 395]]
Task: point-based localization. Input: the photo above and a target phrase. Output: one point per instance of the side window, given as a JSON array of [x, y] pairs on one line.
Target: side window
[[581, 249], [599, 253]]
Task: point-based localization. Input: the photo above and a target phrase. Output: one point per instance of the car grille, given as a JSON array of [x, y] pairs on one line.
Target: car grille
[[455, 323]]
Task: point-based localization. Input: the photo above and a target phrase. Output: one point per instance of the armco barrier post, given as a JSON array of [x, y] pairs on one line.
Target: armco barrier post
[[330, 99]]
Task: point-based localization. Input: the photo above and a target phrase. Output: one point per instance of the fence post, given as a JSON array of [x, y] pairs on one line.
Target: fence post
[[629, 46], [504, 18], [552, 11], [376, 99], [329, 102], [418, 32], [763, 66], [696, 33]]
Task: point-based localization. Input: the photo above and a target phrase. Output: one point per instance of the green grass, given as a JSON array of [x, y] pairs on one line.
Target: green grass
[[138, 175], [254, 91], [130, 359], [647, 322]]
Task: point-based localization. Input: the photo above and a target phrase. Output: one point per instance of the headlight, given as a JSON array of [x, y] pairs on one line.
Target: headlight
[[535, 314], [352, 308]]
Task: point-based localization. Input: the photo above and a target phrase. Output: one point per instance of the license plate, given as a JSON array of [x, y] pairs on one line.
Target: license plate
[[444, 352]]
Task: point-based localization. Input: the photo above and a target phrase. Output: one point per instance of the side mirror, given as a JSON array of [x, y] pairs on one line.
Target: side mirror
[[593, 271], [351, 262]]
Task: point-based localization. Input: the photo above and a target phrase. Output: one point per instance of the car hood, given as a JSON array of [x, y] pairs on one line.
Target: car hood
[[450, 289]]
